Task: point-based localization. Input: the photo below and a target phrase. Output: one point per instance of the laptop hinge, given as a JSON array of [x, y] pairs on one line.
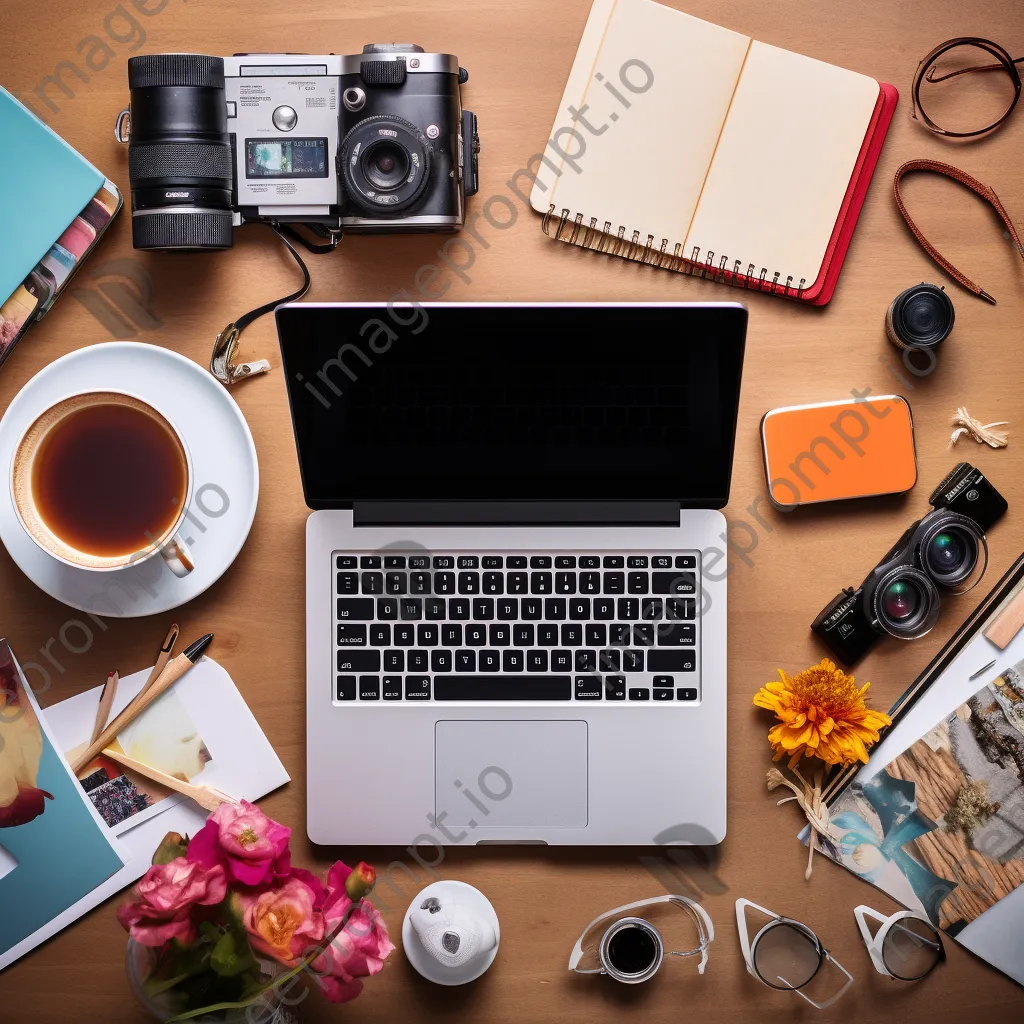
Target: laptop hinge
[[515, 513]]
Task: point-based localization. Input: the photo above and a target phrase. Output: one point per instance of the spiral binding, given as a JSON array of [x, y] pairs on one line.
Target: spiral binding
[[603, 240]]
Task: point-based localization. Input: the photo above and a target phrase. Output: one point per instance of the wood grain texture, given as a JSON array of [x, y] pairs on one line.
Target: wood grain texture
[[518, 54], [1008, 623], [981, 881]]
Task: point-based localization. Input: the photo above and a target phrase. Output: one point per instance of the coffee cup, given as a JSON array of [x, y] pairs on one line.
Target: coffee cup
[[103, 480]]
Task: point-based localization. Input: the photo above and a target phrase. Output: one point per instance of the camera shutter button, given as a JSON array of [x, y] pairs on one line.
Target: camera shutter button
[[285, 118]]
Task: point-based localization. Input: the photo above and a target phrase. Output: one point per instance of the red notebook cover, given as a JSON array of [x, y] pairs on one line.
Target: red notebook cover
[[819, 293]]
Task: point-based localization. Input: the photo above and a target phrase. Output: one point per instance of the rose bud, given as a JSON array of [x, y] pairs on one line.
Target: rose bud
[[361, 882]]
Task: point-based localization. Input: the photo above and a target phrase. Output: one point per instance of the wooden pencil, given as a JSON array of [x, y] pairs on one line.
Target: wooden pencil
[[207, 797], [175, 669], [106, 703]]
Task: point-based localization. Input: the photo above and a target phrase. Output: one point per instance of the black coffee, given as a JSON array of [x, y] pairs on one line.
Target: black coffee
[[109, 479], [632, 950]]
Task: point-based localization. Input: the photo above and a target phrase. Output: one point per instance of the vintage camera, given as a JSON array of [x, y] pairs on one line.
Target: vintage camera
[[376, 141], [946, 550]]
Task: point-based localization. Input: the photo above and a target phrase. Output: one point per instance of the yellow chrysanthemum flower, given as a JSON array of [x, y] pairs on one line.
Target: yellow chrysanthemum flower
[[821, 714]]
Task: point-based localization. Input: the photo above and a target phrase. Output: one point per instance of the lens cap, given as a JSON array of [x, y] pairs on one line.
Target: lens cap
[[920, 317]]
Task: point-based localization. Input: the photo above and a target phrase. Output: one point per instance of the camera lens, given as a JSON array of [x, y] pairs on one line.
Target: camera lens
[[950, 548], [920, 318], [179, 155], [906, 603], [385, 164], [947, 552], [901, 600]]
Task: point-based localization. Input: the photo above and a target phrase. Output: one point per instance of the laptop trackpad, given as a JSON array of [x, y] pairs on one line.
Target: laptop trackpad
[[511, 774]]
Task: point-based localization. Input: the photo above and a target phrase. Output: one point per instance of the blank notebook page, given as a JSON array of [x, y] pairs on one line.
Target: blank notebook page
[[783, 164], [645, 169]]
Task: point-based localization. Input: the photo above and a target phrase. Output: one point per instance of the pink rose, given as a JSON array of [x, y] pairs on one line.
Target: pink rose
[[315, 886], [360, 947], [252, 848], [284, 923], [163, 901]]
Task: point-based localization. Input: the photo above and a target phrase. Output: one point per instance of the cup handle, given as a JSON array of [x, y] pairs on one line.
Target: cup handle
[[178, 557]]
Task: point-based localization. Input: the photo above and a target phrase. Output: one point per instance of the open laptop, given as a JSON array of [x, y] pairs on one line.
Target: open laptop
[[515, 579]]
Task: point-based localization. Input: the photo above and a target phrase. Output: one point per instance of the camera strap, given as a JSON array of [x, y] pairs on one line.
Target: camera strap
[[222, 364], [969, 182]]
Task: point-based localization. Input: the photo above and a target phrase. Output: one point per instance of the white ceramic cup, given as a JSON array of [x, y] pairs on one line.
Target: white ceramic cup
[[168, 544]]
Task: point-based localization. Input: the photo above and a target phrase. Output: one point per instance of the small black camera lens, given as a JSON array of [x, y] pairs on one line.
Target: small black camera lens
[[906, 603], [180, 162], [920, 318], [385, 163]]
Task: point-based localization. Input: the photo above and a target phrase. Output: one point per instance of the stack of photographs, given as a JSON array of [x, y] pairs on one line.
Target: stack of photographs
[[36, 294]]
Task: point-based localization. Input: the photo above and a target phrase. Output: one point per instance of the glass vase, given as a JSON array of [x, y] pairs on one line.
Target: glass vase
[[270, 1008]]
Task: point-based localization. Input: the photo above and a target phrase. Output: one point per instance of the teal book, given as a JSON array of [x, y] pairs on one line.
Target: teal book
[[44, 186], [54, 847]]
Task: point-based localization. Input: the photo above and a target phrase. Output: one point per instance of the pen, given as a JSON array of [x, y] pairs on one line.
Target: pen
[[175, 669]]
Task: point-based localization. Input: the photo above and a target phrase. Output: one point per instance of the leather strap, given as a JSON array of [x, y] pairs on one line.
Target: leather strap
[[962, 178]]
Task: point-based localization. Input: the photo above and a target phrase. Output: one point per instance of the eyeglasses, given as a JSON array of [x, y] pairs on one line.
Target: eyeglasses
[[905, 947], [966, 87], [787, 955]]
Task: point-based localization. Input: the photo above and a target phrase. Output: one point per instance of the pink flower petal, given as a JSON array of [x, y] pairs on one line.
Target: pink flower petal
[[205, 848], [315, 886]]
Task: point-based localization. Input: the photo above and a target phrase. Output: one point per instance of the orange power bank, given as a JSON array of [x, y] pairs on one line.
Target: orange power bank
[[836, 450]]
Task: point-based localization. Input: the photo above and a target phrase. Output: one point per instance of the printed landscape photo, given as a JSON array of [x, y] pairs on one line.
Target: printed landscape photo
[[943, 824]]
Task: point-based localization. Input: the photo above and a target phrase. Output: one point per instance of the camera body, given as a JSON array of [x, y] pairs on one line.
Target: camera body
[[370, 142], [900, 596], [282, 118], [403, 127]]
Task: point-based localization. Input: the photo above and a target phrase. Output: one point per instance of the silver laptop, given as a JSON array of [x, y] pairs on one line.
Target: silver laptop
[[515, 570]]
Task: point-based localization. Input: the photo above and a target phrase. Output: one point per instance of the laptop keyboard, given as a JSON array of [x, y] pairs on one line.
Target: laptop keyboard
[[538, 627]]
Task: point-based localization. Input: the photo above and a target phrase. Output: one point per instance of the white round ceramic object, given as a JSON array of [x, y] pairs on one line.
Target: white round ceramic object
[[225, 487], [473, 900]]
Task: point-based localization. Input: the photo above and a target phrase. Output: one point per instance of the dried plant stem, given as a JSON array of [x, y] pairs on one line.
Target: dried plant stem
[[812, 842], [983, 433], [810, 797]]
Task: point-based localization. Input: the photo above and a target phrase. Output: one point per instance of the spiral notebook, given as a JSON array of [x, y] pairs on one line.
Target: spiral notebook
[[685, 145]]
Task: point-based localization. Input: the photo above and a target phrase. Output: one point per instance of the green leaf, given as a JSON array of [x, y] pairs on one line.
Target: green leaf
[[232, 910], [171, 847], [231, 957], [156, 988]]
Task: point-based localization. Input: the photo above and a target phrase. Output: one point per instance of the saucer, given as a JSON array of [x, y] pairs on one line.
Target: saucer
[[226, 479], [423, 962]]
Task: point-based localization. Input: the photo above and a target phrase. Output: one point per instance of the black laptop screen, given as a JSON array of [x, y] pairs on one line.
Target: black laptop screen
[[492, 403]]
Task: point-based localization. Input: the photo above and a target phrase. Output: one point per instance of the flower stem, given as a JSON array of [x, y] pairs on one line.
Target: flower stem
[[814, 798]]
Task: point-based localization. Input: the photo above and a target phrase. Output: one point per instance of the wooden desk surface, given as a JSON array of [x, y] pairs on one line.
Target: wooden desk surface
[[518, 55]]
